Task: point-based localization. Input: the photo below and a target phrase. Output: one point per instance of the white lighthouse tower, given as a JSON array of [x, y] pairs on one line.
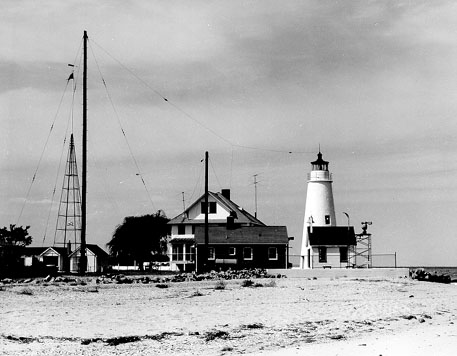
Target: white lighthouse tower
[[319, 209]]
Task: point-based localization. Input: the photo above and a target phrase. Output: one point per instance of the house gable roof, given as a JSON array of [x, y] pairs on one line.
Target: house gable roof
[[331, 236], [241, 215], [242, 235]]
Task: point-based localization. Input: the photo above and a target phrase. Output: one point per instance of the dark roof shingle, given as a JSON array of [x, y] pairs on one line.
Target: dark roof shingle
[[243, 234]]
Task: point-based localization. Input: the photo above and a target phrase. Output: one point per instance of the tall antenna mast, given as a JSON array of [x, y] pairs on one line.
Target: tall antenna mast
[[68, 225], [206, 212], [83, 261], [183, 202]]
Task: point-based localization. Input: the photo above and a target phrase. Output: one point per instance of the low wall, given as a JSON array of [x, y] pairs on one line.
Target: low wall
[[343, 273]]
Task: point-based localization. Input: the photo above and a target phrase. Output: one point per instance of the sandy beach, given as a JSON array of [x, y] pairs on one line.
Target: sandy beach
[[287, 316]]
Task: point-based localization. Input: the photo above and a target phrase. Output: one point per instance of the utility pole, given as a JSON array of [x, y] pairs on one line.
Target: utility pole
[[206, 213], [82, 261], [255, 193]]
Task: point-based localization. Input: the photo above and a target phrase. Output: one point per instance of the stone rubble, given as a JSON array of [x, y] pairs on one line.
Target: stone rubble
[[123, 279], [421, 275]]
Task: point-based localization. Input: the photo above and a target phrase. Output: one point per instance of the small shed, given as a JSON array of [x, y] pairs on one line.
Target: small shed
[[97, 259], [31, 255], [330, 246], [55, 256]]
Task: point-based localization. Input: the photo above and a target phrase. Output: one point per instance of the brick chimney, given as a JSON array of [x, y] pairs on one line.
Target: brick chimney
[[226, 193]]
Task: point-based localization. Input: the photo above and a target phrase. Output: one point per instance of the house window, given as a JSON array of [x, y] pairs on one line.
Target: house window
[[232, 251], [211, 253], [177, 253], [343, 254], [327, 219], [247, 253], [192, 253], [193, 229], [322, 254], [272, 253], [181, 229], [212, 207]]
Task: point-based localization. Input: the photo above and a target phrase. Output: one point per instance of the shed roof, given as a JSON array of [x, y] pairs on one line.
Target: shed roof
[[95, 249], [243, 234], [331, 236], [60, 250]]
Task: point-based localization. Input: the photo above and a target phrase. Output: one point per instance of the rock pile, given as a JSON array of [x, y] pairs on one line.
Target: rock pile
[[122, 279], [421, 275]]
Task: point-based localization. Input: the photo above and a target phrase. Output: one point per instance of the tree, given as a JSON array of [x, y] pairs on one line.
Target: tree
[[139, 238], [12, 244]]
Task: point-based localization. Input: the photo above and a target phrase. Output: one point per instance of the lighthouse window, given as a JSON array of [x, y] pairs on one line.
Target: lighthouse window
[[327, 219], [322, 254]]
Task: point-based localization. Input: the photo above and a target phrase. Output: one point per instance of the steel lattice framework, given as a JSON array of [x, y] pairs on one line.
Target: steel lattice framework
[[68, 226]]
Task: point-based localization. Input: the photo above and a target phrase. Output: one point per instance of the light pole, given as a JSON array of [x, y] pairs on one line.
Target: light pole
[[349, 220], [291, 238]]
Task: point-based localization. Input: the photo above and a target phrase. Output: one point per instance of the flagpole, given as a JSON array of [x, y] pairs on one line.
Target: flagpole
[[83, 260]]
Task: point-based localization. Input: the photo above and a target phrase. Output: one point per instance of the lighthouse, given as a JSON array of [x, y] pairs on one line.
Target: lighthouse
[[324, 244]]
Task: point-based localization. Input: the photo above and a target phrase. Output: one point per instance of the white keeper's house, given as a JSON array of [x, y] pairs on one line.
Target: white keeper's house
[[236, 239]]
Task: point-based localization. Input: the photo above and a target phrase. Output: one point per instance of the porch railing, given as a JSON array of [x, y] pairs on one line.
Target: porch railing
[[182, 257]]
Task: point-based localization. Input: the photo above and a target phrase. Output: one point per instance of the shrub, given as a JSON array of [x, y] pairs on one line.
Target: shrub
[[197, 293], [220, 285], [253, 326], [247, 283], [216, 334]]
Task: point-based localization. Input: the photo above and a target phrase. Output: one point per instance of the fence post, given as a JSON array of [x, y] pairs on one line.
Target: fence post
[[395, 259]]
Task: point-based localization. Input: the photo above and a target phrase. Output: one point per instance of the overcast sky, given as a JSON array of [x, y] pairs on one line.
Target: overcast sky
[[373, 82]]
